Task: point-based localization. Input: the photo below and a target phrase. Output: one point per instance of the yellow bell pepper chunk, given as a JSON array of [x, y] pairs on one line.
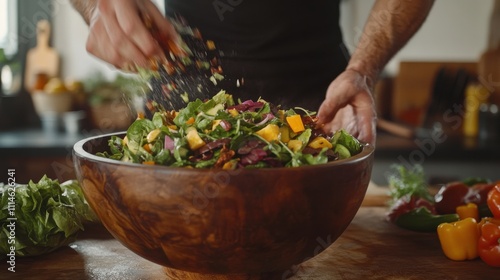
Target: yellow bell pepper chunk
[[194, 140], [468, 210], [284, 134], [281, 115], [320, 143], [215, 123], [125, 141], [459, 240], [295, 145], [140, 115], [295, 123], [152, 135], [230, 165], [233, 112], [147, 147], [270, 132], [210, 45]]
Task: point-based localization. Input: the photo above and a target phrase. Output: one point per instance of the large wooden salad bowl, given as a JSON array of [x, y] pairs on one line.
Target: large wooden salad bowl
[[220, 222]]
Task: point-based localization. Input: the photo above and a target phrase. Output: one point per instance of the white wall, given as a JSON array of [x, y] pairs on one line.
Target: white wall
[[455, 30], [69, 34]]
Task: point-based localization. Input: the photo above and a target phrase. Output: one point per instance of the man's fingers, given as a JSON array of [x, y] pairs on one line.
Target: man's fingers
[[132, 36], [98, 44], [366, 120], [349, 105], [338, 95]]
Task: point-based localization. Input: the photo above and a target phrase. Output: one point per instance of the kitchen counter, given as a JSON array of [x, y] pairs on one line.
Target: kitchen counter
[[448, 159], [36, 142], [33, 153], [370, 248], [444, 147]]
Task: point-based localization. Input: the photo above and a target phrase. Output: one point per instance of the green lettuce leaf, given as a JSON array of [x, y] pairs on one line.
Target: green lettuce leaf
[[47, 215], [348, 141]]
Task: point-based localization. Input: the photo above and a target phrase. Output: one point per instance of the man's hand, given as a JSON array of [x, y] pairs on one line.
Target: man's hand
[[120, 32], [349, 105]]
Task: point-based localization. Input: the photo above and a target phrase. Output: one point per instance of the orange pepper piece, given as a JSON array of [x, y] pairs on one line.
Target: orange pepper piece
[[494, 201], [489, 244], [468, 210], [190, 120], [295, 123]]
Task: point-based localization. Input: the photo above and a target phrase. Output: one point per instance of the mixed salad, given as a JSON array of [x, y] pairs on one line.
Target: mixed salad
[[219, 133]]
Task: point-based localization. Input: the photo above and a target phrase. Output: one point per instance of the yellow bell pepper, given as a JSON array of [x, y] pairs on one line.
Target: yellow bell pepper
[[152, 135], [468, 210], [295, 123], [215, 123], [281, 115], [320, 142], [295, 145], [194, 140], [190, 120], [459, 240], [284, 134], [270, 132], [233, 112]]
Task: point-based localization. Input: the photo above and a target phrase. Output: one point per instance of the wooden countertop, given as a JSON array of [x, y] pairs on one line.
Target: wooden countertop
[[370, 248]]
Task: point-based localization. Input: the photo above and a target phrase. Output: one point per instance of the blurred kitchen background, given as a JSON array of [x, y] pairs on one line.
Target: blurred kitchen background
[[437, 100]]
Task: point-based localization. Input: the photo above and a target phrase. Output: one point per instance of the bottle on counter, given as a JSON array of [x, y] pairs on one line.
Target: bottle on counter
[[476, 95]]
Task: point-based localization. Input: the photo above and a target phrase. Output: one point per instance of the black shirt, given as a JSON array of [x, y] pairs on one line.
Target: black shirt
[[287, 52]]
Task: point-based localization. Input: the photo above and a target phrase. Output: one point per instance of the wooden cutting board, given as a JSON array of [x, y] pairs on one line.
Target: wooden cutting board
[[42, 59], [370, 248]]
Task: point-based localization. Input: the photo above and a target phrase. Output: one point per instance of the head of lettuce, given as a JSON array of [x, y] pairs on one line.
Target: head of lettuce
[[38, 218]]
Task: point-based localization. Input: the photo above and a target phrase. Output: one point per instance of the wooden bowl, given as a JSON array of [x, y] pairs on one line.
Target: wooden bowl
[[221, 222]]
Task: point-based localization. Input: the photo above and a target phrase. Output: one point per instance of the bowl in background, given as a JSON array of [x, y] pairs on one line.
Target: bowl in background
[[222, 222], [52, 102]]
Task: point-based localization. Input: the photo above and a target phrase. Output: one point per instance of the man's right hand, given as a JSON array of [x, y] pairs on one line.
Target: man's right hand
[[120, 35]]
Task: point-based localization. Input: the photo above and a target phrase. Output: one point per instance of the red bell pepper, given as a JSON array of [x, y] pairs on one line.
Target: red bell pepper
[[494, 201], [489, 244]]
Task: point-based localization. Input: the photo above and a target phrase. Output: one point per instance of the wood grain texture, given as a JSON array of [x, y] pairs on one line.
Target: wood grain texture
[[210, 221], [370, 248]]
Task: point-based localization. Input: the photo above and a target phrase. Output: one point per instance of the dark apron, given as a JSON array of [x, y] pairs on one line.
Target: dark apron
[[286, 52]]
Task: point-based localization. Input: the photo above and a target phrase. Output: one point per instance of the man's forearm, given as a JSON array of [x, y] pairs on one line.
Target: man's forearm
[[389, 27], [85, 8]]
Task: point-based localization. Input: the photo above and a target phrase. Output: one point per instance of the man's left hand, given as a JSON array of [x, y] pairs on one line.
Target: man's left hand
[[349, 105]]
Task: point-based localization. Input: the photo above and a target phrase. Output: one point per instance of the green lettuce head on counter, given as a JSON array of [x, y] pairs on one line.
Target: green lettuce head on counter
[[38, 218]]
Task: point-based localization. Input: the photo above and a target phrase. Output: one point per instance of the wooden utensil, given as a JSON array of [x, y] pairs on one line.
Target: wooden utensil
[[42, 59]]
